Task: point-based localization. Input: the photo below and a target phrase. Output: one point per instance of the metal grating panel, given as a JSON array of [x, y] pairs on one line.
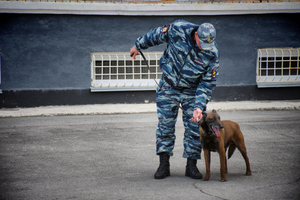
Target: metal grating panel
[[116, 71], [278, 67]]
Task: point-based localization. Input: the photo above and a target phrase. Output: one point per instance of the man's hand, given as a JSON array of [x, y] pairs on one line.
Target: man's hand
[[197, 115], [133, 52]]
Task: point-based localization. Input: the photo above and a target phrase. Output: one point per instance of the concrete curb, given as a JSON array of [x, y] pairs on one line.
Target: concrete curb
[[98, 109]]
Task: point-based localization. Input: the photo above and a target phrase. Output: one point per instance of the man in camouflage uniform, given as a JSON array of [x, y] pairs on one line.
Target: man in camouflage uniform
[[190, 66]]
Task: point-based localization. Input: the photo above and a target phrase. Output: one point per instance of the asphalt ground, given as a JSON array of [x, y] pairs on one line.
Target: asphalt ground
[[112, 156]]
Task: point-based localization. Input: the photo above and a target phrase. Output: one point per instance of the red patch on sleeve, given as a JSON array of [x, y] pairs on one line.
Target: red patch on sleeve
[[165, 29], [214, 72]]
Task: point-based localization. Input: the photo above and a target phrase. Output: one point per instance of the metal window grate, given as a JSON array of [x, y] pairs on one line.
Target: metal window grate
[[116, 71], [278, 67]]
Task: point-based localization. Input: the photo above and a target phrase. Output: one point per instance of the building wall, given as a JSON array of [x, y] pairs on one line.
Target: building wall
[[46, 58]]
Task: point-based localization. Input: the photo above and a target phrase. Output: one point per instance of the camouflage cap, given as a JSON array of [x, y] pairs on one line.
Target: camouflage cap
[[207, 35]]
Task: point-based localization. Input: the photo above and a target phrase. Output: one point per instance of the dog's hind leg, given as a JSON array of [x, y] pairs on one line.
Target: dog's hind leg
[[244, 154], [240, 143]]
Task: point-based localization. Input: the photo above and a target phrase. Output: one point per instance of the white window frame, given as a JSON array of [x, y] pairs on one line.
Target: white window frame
[[278, 67], [116, 71]]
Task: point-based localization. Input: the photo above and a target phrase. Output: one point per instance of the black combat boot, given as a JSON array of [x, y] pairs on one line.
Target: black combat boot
[[164, 167], [192, 170]]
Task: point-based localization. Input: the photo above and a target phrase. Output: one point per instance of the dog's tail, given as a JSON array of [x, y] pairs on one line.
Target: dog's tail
[[231, 150]]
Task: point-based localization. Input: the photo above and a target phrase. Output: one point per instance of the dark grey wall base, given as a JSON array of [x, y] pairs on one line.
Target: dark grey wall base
[[34, 98], [245, 93]]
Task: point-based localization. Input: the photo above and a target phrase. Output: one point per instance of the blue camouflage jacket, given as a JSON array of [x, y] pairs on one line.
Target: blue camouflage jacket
[[183, 63]]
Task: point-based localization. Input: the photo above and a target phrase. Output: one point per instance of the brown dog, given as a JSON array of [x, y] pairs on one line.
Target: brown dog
[[216, 135]]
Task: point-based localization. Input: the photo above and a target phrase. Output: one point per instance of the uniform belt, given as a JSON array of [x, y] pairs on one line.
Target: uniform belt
[[171, 84]]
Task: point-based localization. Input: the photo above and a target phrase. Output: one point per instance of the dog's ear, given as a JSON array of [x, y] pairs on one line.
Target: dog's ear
[[214, 111]]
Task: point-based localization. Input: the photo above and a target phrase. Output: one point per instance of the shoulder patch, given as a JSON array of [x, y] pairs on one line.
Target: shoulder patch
[[165, 29], [214, 72]]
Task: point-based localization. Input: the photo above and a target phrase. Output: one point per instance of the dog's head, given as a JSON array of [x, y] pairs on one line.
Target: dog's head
[[211, 124]]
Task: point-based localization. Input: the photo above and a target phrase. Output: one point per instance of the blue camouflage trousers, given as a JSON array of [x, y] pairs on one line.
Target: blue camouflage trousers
[[167, 112]]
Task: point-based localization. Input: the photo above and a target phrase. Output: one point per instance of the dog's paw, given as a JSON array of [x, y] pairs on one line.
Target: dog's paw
[[223, 180]]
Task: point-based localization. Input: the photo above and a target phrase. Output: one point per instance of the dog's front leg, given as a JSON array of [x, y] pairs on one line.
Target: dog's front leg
[[207, 164], [222, 160], [222, 167]]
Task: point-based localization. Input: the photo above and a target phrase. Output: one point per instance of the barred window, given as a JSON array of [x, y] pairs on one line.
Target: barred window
[[116, 71], [278, 67]]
